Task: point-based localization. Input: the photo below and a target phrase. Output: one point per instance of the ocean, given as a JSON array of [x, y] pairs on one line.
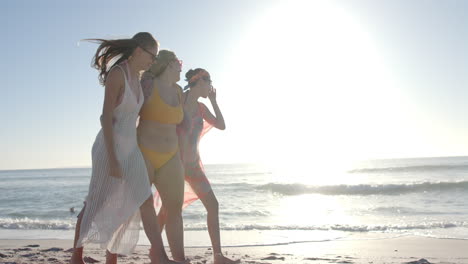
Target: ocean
[[262, 205]]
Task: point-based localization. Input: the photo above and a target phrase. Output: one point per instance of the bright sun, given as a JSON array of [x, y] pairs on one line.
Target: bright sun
[[310, 88]]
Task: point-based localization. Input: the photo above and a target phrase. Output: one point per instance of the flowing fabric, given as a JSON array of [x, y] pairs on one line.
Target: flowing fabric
[[112, 217], [196, 182]]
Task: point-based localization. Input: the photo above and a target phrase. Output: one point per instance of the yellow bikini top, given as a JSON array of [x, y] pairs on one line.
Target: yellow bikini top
[[155, 109]]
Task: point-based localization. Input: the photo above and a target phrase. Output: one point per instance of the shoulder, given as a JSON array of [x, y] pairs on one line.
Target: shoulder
[[203, 108], [115, 76]]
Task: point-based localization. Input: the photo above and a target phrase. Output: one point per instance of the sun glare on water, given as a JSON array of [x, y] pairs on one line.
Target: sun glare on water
[[311, 89]]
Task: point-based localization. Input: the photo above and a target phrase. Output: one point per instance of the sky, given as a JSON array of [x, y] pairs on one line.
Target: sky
[[299, 82]]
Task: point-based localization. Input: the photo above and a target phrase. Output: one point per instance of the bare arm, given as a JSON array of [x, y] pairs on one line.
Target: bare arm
[[114, 86], [186, 122], [217, 120], [147, 86]]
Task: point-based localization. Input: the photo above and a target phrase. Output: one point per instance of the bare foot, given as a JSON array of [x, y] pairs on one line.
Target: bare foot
[[76, 260], [155, 259], [220, 259], [77, 257], [111, 258]]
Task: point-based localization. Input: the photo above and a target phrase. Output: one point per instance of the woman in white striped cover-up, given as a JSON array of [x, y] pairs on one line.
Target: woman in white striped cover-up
[[119, 194]]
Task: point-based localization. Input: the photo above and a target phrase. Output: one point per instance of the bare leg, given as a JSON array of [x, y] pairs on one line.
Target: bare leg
[[162, 218], [150, 224], [212, 208], [77, 255], [111, 258], [170, 185]]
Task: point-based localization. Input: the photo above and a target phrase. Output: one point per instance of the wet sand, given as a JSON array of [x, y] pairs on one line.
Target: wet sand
[[414, 250]]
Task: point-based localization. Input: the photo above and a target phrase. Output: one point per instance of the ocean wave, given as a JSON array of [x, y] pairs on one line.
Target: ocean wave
[[202, 215], [69, 224], [363, 189], [345, 228], [418, 168], [411, 211], [28, 223]]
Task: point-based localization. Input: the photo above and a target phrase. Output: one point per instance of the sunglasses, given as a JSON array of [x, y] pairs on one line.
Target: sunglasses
[[153, 57], [207, 79]]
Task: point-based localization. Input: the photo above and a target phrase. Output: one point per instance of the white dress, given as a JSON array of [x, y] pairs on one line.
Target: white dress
[[112, 217]]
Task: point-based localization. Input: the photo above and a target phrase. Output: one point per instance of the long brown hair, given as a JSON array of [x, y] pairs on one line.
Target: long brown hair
[[109, 50]]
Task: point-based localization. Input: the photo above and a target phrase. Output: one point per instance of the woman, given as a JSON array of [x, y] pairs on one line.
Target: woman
[[201, 120], [119, 192], [158, 140]]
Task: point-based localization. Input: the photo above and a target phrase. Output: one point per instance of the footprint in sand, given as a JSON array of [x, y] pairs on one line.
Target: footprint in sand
[[421, 261], [273, 258], [32, 246], [54, 249]]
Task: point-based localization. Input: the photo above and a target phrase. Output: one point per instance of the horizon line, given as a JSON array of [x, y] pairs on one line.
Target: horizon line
[[232, 163]]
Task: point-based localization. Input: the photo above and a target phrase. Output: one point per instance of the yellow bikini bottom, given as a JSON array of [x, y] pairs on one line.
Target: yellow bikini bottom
[[157, 159]]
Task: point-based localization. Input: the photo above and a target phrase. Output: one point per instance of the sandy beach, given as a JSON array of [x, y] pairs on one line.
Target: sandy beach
[[272, 131], [414, 250]]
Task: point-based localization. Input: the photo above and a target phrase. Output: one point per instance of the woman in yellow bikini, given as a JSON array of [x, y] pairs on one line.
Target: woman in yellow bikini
[[157, 137]]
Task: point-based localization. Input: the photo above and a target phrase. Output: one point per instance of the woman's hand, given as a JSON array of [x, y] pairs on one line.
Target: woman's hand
[[217, 120], [212, 94]]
